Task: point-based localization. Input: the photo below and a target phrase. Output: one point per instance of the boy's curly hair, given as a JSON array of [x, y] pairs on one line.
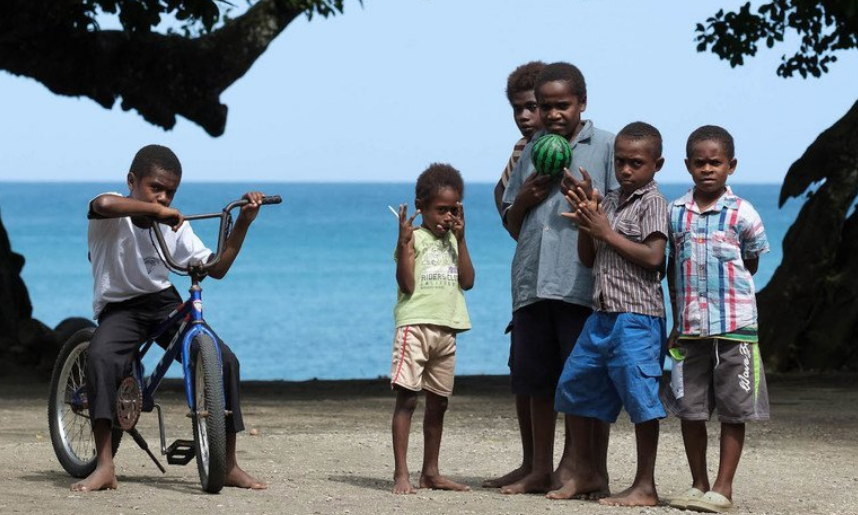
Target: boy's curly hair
[[563, 72], [155, 157], [711, 133], [523, 78], [643, 131], [435, 178]]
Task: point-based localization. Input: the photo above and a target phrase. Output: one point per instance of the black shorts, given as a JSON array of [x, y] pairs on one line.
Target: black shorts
[[122, 326], [543, 335]]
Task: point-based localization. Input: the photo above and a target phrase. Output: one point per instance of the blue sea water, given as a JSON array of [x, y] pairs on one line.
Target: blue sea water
[[312, 293]]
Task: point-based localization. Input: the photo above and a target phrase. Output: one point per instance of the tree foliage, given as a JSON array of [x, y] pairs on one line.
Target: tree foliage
[[192, 17], [808, 312], [823, 29]]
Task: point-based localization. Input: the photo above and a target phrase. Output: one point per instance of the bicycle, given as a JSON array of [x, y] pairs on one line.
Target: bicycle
[[193, 341]]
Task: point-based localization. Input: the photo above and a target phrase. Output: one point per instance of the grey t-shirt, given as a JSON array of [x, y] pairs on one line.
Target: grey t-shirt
[[546, 264]]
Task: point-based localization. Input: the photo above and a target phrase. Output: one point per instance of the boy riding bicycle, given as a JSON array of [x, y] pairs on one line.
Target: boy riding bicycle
[[132, 294]]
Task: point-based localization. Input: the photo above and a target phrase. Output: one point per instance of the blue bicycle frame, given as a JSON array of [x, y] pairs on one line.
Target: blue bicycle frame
[[190, 313]]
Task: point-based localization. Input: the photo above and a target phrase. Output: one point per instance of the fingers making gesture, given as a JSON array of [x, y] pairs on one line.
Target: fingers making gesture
[[459, 223], [587, 212], [406, 225], [569, 183]]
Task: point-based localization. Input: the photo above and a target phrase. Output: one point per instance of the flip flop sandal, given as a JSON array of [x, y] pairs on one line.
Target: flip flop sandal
[[681, 501], [711, 502]]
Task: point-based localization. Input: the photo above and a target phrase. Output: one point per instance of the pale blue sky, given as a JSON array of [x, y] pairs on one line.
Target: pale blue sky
[[379, 92]]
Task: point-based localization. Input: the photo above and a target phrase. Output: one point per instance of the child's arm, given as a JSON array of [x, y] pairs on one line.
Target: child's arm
[[534, 190], [114, 206], [466, 268], [648, 254], [752, 264], [671, 290], [499, 189], [239, 231], [752, 237], [405, 251]]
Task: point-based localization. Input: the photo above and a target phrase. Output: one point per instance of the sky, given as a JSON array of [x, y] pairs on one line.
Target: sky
[[378, 93]]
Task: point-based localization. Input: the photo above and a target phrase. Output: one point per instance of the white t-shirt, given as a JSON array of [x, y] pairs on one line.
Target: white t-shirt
[[125, 263]]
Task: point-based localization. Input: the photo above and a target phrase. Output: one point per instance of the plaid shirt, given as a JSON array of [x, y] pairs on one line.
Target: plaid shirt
[[714, 292]]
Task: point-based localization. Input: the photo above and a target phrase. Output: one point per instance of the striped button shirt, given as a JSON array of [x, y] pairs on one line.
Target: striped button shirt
[[620, 285], [513, 159], [714, 292]]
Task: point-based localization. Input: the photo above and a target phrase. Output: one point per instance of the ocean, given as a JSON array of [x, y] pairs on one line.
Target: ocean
[[311, 295]]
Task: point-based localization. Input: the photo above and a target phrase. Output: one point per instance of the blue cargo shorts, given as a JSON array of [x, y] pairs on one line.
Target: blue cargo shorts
[[616, 363]]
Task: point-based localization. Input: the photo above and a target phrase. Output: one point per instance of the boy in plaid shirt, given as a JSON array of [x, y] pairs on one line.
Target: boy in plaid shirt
[[716, 240]]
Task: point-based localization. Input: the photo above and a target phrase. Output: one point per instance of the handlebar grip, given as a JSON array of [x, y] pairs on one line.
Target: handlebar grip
[[273, 199]]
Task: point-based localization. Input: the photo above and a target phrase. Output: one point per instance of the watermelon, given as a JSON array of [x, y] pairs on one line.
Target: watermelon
[[551, 154]]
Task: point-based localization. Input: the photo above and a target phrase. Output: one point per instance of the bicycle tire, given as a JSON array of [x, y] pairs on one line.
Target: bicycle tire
[[209, 418], [70, 427]]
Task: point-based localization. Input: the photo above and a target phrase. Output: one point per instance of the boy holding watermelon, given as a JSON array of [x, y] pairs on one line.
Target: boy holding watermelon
[[617, 359], [551, 289]]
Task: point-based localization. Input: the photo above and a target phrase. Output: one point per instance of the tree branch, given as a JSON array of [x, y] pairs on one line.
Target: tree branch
[[158, 75]]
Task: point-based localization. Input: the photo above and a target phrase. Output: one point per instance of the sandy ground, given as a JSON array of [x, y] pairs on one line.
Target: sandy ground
[[324, 448]]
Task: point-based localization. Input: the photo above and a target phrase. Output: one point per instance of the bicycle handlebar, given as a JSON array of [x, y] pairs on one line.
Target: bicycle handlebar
[[224, 215]]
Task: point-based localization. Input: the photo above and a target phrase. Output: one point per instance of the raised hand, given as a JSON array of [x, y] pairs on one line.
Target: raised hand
[[251, 209], [459, 223], [569, 182], [406, 225], [591, 219], [576, 198]]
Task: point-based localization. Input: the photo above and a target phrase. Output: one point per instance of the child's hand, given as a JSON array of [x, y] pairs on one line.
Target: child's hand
[[459, 223], [406, 227], [576, 198], [570, 183], [672, 338], [251, 209], [170, 216], [534, 190], [591, 219]]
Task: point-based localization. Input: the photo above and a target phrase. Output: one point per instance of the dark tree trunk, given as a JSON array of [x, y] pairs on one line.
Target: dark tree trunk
[[809, 310]]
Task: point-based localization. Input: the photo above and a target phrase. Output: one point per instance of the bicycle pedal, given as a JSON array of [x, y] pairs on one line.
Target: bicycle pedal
[[180, 452]]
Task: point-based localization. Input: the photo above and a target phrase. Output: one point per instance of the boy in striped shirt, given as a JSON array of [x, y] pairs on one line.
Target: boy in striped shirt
[[522, 98], [616, 361], [716, 240]]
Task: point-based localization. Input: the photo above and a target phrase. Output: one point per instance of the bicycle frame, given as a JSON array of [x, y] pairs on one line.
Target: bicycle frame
[[190, 313]]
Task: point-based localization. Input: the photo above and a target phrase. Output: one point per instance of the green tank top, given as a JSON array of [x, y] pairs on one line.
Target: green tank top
[[437, 299]]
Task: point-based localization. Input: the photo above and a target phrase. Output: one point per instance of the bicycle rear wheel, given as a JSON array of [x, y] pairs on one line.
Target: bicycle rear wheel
[[68, 409], [209, 419]]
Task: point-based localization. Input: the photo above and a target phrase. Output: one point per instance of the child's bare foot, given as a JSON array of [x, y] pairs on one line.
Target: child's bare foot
[[442, 483], [238, 478], [402, 486], [102, 478], [583, 487], [634, 496], [531, 483], [507, 479]]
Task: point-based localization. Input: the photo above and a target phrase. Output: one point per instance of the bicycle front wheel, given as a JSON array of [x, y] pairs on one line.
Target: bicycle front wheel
[[210, 417], [68, 409]]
